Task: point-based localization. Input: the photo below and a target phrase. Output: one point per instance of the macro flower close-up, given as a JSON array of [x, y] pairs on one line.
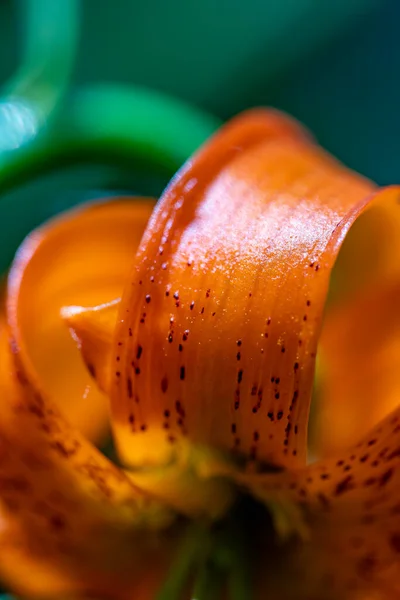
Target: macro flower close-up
[[199, 301], [195, 328]]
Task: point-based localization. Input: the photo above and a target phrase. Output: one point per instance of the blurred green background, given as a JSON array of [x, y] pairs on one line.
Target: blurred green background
[[333, 65]]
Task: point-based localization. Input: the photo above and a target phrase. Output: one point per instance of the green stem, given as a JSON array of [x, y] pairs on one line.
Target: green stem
[[190, 553], [239, 580], [113, 124], [209, 582], [50, 35], [110, 123], [32, 94], [234, 554]]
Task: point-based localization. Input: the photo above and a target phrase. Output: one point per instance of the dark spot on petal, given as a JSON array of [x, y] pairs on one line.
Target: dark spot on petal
[[394, 542], [164, 385], [57, 522], [324, 500], [344, 486], [385, 477]]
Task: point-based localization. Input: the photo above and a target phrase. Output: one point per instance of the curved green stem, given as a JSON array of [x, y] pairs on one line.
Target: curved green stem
[[50, 35], [114, 124], [31, 95]]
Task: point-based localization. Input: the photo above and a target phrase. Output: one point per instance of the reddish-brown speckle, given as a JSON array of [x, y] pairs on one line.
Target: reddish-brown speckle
[[345, 485], [394, 542]]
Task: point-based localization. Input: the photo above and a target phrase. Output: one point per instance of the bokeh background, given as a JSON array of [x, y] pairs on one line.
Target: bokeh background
[[333, 65]]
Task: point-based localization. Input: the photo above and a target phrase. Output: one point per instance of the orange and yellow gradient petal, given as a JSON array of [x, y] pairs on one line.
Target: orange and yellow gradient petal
[[83, 257], [219, 324], [71, 521]]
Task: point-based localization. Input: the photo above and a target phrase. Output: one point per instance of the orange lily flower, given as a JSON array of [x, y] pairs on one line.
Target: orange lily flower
[[203, 336]]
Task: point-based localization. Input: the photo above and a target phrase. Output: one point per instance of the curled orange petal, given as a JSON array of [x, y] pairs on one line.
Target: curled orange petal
[[80, 258], [351, 510], [218, 327], [185, 483], [93, 330], [359, 346], [359, 362], [71, 522]]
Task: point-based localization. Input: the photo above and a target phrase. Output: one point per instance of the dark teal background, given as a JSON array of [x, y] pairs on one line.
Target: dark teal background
[[335, 65]]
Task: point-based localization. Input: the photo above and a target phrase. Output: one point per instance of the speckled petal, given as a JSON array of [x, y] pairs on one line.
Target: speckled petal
[[81, 257], [351, 513], [218, 327], [71, 522], [185, 483]]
